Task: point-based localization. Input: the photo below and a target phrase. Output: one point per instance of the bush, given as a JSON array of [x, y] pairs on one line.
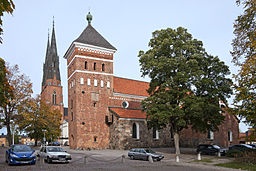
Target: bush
[[247, 157], [234, 153]]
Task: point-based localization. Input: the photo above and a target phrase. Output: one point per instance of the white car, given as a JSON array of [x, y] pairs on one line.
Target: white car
[[54, 154]]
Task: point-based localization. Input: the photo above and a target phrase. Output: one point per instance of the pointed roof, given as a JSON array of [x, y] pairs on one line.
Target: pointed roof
[[92, 37], [51, 65], [53, 41]]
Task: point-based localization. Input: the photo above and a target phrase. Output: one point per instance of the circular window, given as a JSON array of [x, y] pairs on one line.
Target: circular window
[[125, 104]]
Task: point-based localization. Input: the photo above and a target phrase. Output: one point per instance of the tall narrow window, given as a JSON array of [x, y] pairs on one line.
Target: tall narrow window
[[108, 84], [72, 117], [95, 83], [71, 104], [210, 135], [155, 134], [94, 66], [81, 80], [85, 65], [54, 97], [103, 67], [135, 131], [102, 83], [230, 136], [88, 81]]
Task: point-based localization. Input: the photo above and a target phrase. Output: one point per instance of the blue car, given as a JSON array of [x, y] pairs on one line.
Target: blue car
[[20, 154]]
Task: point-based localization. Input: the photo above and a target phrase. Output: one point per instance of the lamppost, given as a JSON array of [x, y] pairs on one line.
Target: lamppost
[[44, 130]]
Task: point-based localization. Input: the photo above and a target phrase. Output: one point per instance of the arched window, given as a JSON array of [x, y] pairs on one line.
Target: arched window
[[94, 66], [85, 65], [155, 133], [54, 97], [103, 67], [135, 131]]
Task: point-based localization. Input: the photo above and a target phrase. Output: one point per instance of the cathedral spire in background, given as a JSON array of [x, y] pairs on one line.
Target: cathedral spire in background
[[51, 65]]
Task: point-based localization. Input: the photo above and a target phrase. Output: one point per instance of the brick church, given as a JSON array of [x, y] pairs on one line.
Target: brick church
[[105, 110]]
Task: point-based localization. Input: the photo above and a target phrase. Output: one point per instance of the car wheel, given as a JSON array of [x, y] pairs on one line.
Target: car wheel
[[132, 157], [49, 160]]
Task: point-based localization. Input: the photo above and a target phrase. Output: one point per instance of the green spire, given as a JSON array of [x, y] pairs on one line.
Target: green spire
[[89, 18]]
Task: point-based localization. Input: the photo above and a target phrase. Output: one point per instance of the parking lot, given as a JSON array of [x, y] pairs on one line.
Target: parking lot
[[118, 160]]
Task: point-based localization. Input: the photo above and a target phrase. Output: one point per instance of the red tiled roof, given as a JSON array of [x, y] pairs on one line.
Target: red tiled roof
[[132, 87], [129, 113]]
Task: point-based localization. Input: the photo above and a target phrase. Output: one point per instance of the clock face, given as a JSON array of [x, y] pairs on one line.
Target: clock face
[[125, 104]]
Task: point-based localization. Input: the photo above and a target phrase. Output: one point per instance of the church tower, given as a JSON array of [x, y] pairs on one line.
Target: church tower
[[90, 85], [51, 84]]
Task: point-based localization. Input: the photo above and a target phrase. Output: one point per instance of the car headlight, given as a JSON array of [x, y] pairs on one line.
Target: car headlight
[[13, 155], [33, 155]]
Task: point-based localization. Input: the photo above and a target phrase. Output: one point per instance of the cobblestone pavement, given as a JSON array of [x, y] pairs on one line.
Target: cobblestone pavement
[[112, 160]]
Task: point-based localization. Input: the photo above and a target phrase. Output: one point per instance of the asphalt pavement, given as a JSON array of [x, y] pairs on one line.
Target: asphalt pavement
[[116, 160]]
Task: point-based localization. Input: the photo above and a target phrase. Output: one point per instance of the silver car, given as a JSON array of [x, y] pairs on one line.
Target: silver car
[[54, 154], [144, 153]]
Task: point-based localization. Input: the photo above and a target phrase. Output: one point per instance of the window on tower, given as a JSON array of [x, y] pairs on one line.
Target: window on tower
[[94, 66], [54, 97], [85, 65], [103, 67]]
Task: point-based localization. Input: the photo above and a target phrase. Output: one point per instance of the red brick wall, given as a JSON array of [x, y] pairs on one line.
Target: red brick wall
[[88, 128]]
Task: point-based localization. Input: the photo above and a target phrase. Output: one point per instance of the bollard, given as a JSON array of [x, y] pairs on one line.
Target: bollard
[[199, 156], [85, 159], [123, 157], [177, 159], [150, 159], [219, 154]]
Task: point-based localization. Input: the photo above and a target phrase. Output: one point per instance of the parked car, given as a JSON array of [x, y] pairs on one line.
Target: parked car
[[20, 154], [54, 154], [238, 150], [253, 145], [210, 149], [144, 153], [54, 143]]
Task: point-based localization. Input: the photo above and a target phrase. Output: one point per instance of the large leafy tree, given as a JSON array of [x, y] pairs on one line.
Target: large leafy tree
[[5, 88], [18, 89], [35, 116], [5, 6], [244, 56], [186, 83]]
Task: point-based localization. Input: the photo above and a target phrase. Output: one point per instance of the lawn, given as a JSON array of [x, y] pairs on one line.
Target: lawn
[[237, 165]]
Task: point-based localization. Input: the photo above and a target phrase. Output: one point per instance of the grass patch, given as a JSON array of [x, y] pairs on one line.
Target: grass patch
[[238, 165], [206, 160]]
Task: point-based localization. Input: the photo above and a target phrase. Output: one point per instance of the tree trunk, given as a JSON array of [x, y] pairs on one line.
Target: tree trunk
[[9, 133], [177, 145], [36, 141]]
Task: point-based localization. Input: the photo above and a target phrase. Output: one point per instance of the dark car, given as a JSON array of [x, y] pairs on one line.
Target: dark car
[[210, 149], [55, 143], [20, 154], [238, 150], [242, 147], [144, 153]]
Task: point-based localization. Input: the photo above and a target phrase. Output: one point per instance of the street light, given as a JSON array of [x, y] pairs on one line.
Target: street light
[[44, 130]]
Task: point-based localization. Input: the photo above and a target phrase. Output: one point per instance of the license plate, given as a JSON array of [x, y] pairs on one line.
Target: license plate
[[62, 159]]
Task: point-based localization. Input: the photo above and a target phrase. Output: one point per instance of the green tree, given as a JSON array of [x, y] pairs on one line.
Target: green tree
[[5, 6], [36, 116], [186, 83], [18, 90], [244, 56]]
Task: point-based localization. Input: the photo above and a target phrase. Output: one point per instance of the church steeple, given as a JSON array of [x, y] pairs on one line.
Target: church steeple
[[53, 41], [51, 65]]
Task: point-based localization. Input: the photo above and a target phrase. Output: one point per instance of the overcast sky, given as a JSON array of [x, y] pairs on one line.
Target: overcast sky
[[127, 25]]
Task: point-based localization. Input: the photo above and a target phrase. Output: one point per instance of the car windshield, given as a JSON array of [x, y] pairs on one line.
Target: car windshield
[[215, 146], [21, 148], [55, 149], [148, 150]]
